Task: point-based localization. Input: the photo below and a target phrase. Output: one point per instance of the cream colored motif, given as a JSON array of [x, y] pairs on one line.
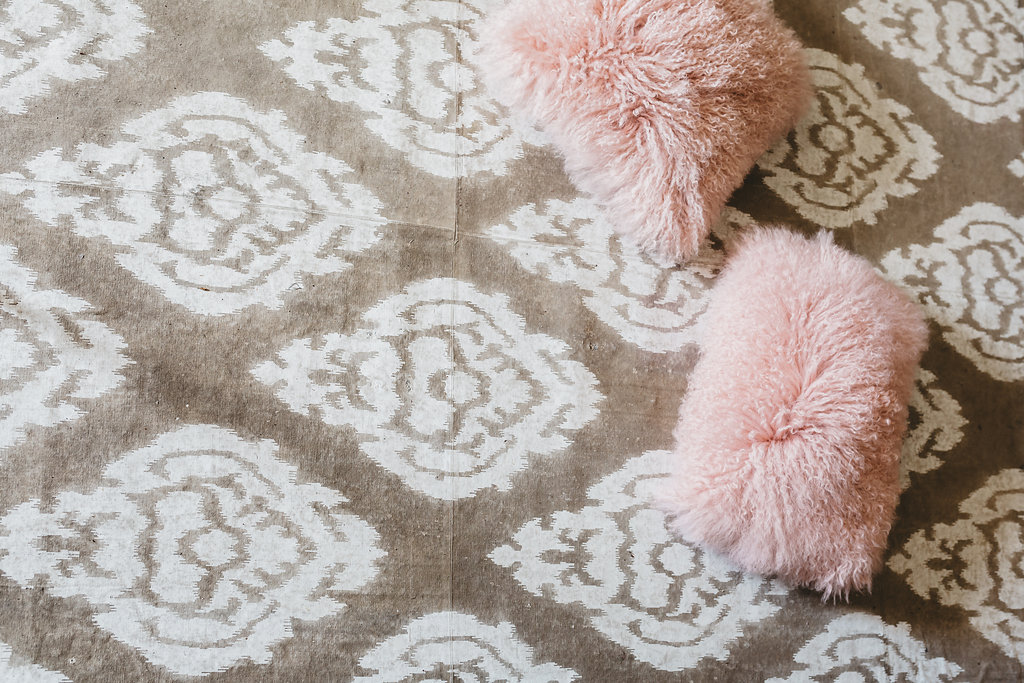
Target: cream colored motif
[[974, 563], [54, 356], [970, 52], [217, 205], [936, 425], [851, 153], [861, 647], [671, 604], [654, 307], [199, 550], [44, 43], [453, 646], [411, 64], [970, 280], [444, 386]]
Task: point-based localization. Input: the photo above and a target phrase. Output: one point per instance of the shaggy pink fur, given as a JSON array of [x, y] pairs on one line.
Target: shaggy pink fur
[[660, 107], [789, 437]]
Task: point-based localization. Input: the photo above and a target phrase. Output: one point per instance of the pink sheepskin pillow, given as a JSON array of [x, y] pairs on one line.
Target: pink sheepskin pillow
[[660, 107], [789, 437]]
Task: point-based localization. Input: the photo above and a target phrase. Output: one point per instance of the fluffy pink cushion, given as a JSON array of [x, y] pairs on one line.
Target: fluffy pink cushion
[[789, 437], [660, 107]]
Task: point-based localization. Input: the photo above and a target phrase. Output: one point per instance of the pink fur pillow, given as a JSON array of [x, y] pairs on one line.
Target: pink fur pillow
[[661, 107], [789, 437]]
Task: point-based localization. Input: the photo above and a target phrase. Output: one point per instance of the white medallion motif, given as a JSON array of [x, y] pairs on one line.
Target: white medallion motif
[[1017, 166], [861, 647], [25, 673], [935, 426], [970, 280], [975, 562], [969, 52], [44, 42], [447, 646], [199, 550], [53, 356], [852, 151], [411, 65], [215, 204], [669, 603], [444, 386], [647, 304]]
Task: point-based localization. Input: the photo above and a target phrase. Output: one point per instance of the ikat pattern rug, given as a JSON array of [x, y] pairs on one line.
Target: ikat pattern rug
[[315, 367]]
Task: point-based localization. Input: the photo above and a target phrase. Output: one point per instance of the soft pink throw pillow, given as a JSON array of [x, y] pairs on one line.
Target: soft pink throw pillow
[[789, 437], [660, 107]]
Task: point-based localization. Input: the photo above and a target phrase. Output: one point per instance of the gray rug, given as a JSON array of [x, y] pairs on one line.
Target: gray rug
[[314, 365]]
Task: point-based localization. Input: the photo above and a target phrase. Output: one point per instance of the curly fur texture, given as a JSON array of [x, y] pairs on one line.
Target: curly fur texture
[[789, 437], [660, 107]]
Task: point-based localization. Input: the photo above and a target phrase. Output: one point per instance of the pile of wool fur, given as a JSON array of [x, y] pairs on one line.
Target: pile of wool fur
[[660, 107], [789, 438]]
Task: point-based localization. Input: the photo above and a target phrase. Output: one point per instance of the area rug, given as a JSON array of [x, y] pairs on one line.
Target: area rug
[[314, 366]]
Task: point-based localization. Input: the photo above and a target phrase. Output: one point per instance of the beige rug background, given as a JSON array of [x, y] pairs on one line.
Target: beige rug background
[[314, 365]]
